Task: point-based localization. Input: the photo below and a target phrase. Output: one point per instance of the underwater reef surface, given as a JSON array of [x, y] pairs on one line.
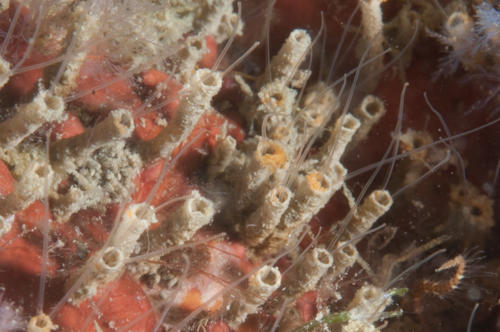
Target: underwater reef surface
[[281, 165]]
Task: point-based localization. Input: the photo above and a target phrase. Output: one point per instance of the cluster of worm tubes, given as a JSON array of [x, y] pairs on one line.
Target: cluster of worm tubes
[[281, 165]]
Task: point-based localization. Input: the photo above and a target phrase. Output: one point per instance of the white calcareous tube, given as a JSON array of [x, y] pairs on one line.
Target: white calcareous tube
[[107, 264], [196, 212], [305, 276], [40, 323], [291, 54], [262, 222], [44, 108], [369, 113], [372, 208], [260, 287]]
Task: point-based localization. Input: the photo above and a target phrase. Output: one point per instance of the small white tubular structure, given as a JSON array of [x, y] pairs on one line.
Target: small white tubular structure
[[340, 136], [195, 212], [372, 208], [318, 104], [372, 38], [337, 173], [108, 263], [312, 117], [276, 98], [372, 26], [292, 53], [260, 287], [135, 220], [369, 113], [88, 27], [313, 265], [117, 125], [312, 192], [103, 267], [368, 304], [110, 260], [195, 100], [269, 157], [344, 258], [262, 222], [44, 108], [40, 323], [30, 187], [263, 283]]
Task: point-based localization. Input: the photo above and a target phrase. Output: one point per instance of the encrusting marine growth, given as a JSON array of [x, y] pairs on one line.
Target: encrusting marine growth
[[211, 165]]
